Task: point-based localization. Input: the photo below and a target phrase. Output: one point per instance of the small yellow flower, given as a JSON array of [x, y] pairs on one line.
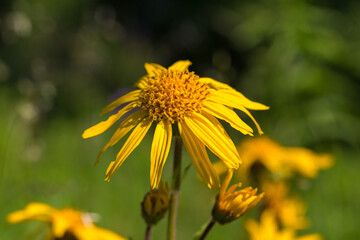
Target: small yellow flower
[[289, 210], [155, 204], [232, 204], [268, 229], [65, 223], [280, 161], [173, 97]]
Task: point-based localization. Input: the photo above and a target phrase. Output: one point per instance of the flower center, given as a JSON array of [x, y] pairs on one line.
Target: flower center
[[172, 95]]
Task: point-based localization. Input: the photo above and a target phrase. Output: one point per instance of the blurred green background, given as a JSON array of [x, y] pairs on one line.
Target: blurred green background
[[62, 61]]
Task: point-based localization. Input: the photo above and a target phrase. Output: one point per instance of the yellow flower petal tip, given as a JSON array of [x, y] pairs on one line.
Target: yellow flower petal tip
[[175, 95]]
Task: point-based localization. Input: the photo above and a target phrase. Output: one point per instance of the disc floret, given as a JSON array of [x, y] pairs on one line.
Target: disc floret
[[172, 95]]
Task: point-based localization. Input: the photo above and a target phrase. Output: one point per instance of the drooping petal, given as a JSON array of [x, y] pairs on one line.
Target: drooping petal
[[129, 123], [199, 156], [181, 65], [159, 151], [214, 139], [105, 125], [225, 113], [233, 98], [154, 69], [129, 97], [221, 129], [131, 143], [218, 97], [233, 94]]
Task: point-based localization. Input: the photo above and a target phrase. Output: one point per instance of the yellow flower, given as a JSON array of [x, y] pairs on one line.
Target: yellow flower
[[176, 97], [281, 161], [155, 204], [289, 210], [232, 204], [268, 229], [65, 223]]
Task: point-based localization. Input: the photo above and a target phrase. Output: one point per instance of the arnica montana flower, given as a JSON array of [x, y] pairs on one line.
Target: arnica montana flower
[[282, 162], [268, 229], [289, 210], [232, 204], [155, 204], [176, 97], [65, 223]]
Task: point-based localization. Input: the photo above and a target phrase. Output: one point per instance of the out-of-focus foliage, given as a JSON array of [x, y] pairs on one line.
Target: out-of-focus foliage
[[60, 61]]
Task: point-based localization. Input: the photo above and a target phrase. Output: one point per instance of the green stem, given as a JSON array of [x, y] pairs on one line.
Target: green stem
[[175, 193], [148, 232], [207, 229]]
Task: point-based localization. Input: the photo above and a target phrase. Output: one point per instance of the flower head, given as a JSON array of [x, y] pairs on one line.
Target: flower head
[[232, 204], [65, 223], [268, 229], [171, 97], [155, 204], [282, 162]]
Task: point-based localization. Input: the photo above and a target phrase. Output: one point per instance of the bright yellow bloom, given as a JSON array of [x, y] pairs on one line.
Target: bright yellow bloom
[[268, 229], [155, 204], [176, 96], [232, 204], [65, 223], [289, 210], [281, 161]]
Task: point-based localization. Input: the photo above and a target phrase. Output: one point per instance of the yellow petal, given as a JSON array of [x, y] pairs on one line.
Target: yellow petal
[[228, 115], [181, 65], [154, 69], [239, 98], [199, 156], [233, 94], [214, 139], [60, 225], [214, 84], [226, 182], [129, 97], [33, 211], [131, 143], [129, 123], [105, 125], [218, 97], [218, 125], [159, 151], [143, 82]]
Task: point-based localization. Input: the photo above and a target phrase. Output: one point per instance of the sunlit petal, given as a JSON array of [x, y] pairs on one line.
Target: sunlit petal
[[129, 123], [154, 69], [105, 125], [129, 97], [213, 139], [181, 65], [131, 143], [225, 113], [199, 156], [159, 151]]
